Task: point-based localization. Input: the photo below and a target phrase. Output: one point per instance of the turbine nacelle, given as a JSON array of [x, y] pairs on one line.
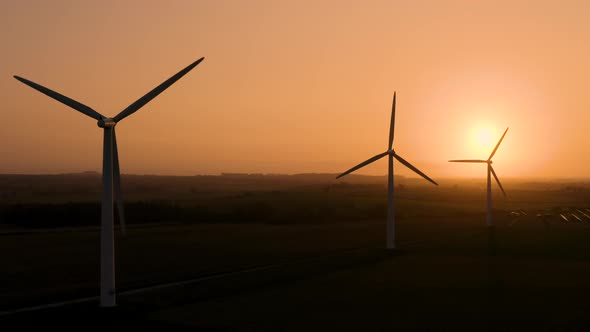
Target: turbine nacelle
[[391, 152], [106, 123]]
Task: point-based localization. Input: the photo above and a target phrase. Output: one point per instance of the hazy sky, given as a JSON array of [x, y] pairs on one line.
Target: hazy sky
[[299, 86]]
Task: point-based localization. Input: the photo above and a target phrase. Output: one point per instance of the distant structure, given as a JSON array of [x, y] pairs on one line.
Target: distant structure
[[491, 172], [110, 175], [391, 153]]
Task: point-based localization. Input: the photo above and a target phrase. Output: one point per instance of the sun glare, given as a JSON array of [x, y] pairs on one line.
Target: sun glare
[[482, 140], [484, 137]]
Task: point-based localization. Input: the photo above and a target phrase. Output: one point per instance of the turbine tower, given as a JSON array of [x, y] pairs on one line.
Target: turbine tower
[[111, 177], [391, 153], [491, 172]]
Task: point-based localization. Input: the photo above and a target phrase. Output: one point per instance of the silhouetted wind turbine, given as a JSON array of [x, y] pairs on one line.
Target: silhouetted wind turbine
[[491, 172], [391, 153], [111, 177]]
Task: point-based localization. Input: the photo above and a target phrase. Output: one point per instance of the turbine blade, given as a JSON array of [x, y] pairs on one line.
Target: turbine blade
[[155, 92], [497, 145], [392, 124], [117, 185], [497, 180], [468, 161], [62, 99], [417, 171], [364, 163]]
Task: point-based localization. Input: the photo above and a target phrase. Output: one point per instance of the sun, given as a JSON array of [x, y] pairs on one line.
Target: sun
[[482, 139]]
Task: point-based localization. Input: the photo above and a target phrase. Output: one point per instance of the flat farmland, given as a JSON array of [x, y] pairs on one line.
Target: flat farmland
[[303, 267]]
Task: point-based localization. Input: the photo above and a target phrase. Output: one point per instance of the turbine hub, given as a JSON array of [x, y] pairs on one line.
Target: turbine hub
[[490, 162], [106, 123], [391, 151]]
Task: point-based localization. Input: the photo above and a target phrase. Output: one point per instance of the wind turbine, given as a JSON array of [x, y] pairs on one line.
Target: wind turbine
[[111, 177], [491, 172], [391, 153]]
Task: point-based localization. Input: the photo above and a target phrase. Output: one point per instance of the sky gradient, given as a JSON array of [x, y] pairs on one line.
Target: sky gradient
[[300, 86]]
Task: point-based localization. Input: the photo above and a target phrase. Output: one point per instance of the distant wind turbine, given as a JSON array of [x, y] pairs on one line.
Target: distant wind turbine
[[491, 172], [111, 177], [391, 153]]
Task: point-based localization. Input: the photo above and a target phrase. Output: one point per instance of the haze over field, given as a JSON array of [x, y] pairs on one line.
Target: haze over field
[[299, 87]]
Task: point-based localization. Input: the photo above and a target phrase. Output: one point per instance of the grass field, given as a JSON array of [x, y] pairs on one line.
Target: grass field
[[320, 273]]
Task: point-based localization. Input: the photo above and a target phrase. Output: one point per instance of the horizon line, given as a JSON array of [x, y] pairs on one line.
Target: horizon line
[[97, 173]]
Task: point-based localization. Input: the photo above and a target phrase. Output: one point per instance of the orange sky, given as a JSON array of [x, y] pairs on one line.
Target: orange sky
[[299, 87]]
